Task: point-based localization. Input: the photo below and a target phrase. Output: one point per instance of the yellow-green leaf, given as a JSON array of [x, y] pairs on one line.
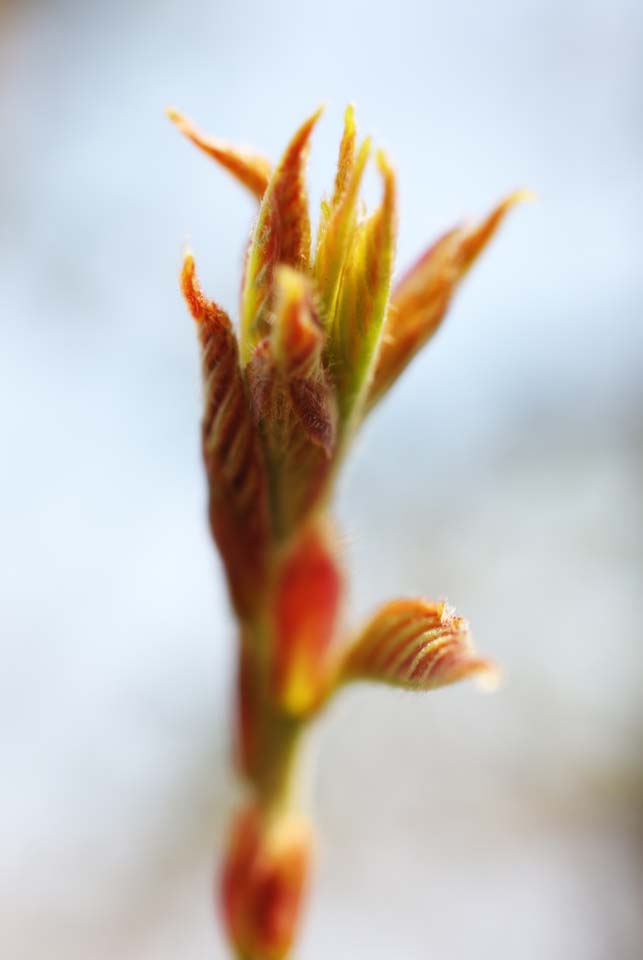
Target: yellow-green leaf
[[338, 224], [362, 300]]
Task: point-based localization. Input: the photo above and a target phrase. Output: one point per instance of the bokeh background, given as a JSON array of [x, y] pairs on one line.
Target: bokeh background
[[505, 473]]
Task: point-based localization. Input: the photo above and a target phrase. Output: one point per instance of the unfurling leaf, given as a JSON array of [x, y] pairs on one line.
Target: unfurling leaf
[[264, 881], [420, 299], [250, 169], [417, 645], [306, 607], [362, 300], [281, 235], [236, 475]]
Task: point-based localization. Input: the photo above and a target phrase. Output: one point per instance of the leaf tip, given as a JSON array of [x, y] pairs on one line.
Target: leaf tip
[[205, 312], [487, 676], [174, 115]]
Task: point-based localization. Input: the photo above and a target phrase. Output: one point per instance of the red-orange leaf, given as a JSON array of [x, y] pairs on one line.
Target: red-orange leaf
[[306, 607], [235, 469], [417, 645], [281, 235], [420, 299], [250, 169]]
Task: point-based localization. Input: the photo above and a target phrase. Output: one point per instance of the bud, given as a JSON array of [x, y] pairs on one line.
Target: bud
[[265, 875], [321, 339]]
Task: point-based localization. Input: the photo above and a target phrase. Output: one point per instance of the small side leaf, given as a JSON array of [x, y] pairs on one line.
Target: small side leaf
[[236, 474], [416, 645], [420, 300], [250, 169], [281, 235]]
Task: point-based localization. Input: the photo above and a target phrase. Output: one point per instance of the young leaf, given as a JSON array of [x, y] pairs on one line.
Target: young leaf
[[346, 155], [339, 218], [281, 235], [236, 474], [297, 340], [297, 335], [250, 169], [420, 299], [306, 606], [417, 645], [293, 401], [362, 300]]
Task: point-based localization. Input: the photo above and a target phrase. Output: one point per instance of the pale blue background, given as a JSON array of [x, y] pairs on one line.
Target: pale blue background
[[504, 473]]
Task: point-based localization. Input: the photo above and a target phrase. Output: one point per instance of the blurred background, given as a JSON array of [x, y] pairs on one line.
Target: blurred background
[[505, 473]]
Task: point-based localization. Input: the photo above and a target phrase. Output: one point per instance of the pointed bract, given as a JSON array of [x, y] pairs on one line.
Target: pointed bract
[[236, 475], [417, 645], [250, 169], [281, 235], [419, 301]]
